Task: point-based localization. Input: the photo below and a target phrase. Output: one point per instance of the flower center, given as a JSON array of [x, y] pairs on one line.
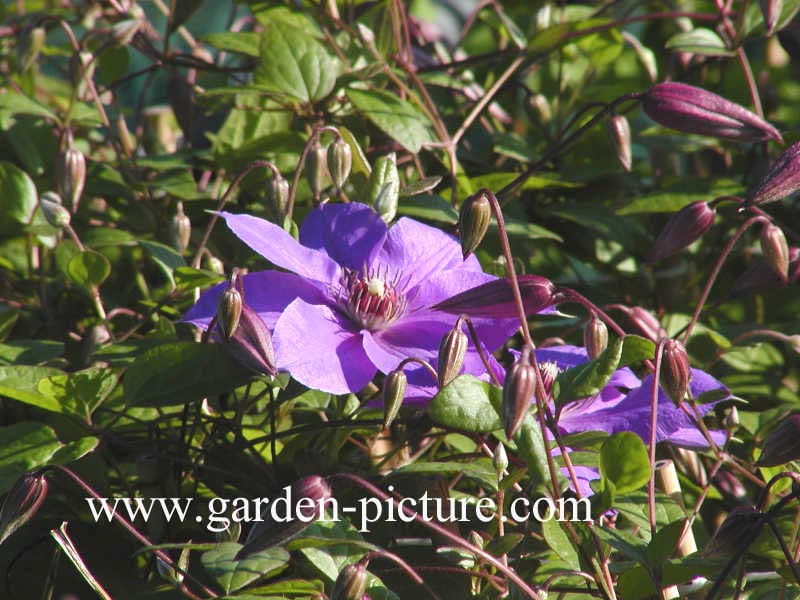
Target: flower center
[[549, 371], [370, 299]]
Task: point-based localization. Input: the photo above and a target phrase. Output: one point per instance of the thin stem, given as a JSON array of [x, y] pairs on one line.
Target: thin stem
[[445, 533], [651, 483], [715, 271], [221, 204]]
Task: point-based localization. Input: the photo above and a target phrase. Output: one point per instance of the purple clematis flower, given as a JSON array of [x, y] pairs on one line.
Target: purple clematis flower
[[624, 403], [358, 298]]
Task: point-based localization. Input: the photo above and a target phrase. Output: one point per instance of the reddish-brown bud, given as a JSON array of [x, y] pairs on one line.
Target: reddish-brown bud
[[340, 160], [775, 249], [518, 389], [496, 298], [180, 230], [394, 392], [229, 307], [782, 179], [647, 323], [316, 168], [619, 134], [595, 336], [303, 503], [675, 370], [473, 221], [70, 176], [739, 529], [351, 584], [452, 350], [760, 276], [694, 110], [782, 445], [251, 343], [684, 227], [23, 500], [277, 197]]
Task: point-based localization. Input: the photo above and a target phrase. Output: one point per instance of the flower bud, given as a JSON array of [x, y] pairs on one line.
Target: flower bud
[[251, 343], [691, 109], [351, 584], [619, 134], [647, 323], [760, 276], [500, 460], [214, 264], [70, 175], [340, 160], [384, 187], [271, 532], [452, 350], [782, 445], [277, 197], [180, 229], [473, 221], [739, 529], [123, 32], [684, 227], [30, 45], [675, 370], [541, 108], [781, 179], [23, 500], [316, 169], [595, 336], [771, 9], [82, 65], [775, 249], [229, 308], [54, 213], [394, 392], [518, 389], [496, 298]]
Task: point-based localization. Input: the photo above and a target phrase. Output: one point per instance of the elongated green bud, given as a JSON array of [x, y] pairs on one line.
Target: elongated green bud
[[180, 230], [54, 212], [22, 502], [70, 175], [277, 197], [675, 371], [776, 250], [619, 134], [351, 584], [518, 389], [473, 222], [595, 336], [500, 460], [340, 160], [30, 45], [384, 187], [394, 392], [229, 307], [452, 350], [316, 169]]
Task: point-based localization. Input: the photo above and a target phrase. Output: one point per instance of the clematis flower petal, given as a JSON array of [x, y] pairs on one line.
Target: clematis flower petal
[[351, 234], [320, 348], [266, 292], [281, 249], [415, 251]]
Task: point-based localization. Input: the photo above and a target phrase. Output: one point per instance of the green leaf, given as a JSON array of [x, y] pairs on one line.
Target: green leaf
[[663, 543], [20, 383], [399, 119], [624, 462], [480, 469], [699, 41], [18, 198], [166, 258], [30, 352], [243, 42], [182, 372], [559, 542], [233, 574], [589, 378], [17, 104], [188, 278], [294, 63], [88, 269], [532, 450], [503, 545], [24, 446], [74, 450], [629, 546], [674, 197], [79, 393], [465, 404]]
